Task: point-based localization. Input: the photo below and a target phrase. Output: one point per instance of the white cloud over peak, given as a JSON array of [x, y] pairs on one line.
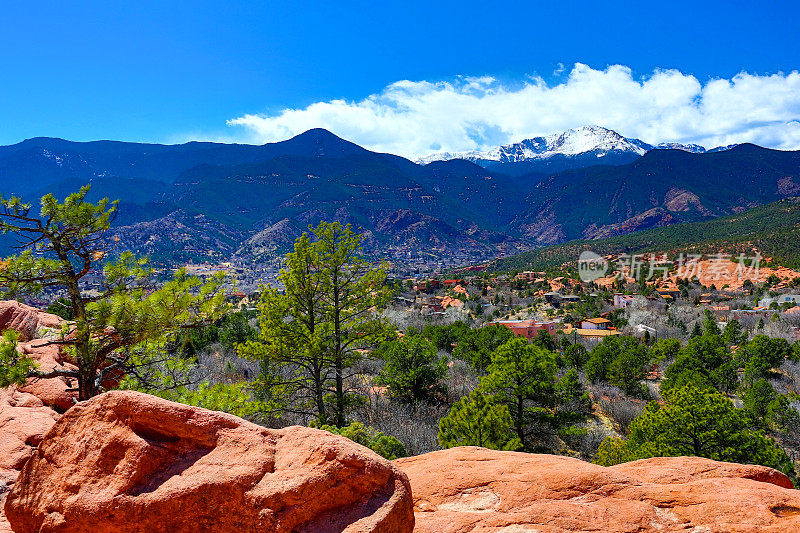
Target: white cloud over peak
[[416, 118]]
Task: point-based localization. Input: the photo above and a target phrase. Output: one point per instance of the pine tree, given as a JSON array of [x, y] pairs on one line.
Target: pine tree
[[696, 422], [352, 290], [476, 420], [316, 330], [522, 377], [122, 329], [296, 372], [413, 370]]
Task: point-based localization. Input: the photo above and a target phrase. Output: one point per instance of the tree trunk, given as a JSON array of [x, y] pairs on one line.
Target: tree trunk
[[520, 428]]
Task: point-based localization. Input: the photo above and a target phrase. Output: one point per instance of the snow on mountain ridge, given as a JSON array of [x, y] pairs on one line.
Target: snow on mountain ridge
[[573, 142]]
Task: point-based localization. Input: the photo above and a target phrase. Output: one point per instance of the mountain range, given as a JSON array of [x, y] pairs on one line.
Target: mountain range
[[584, 146], [212, 201]]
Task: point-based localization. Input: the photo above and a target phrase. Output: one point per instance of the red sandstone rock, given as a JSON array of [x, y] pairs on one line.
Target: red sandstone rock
[[475, 490], [129, 462], [56, 392], [29, 321], [24, 420]]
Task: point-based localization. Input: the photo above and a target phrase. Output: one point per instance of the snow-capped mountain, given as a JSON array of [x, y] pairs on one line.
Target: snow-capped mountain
[[584, 141]]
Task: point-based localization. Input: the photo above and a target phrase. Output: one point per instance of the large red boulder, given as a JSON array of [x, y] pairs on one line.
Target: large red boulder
[[129, 462], [24, 421], [30, 322], [475, 490]]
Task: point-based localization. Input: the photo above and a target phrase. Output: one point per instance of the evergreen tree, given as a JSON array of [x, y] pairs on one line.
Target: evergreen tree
[[476, 420], [316, 330], [122, 329], [476, 347], [576, 356], [696, 422], [296, 372], [413, 370], [705, 362], [522, 376], [762, 354], [733, 333], [601, 358], [352, 289]]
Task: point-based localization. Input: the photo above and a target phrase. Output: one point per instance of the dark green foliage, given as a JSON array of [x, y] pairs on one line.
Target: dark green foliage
[[697, 422], [522, 377], [384, 445], [704, 362], [757, 400], [576, 356], [446, 337], [621, 361], [760, 355], [664, 350], [413, 370], [710, 326], [61, 307], [629, 368], [476, 347], [477, 420], [545, 341], [734, 334], [235, 329]]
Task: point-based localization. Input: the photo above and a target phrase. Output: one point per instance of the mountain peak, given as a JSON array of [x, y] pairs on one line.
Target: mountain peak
[[319, 142], [583, 141], [577, 141]]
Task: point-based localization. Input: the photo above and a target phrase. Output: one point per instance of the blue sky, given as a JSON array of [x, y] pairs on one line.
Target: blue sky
[[148, 71]]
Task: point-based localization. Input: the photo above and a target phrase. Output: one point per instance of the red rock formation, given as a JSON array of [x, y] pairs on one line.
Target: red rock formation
[[129, 462], [24, 420], [56, 392], [475, 490], [31, 324], [29, 321]]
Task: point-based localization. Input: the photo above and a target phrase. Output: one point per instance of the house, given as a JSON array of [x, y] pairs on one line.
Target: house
[[593, 336], [780, 299], [529, 276], [621, 301], [595, 323], [553, 297], [528, 329], [641, 329], [758, 312], [720, 312]]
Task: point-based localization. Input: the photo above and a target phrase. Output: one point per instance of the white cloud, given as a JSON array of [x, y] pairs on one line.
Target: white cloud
[[414, 118]]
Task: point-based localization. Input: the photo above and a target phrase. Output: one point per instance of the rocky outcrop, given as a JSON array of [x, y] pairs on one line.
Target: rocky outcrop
[[24, 421], [25, 415], [30, 322], [36, 328], [58, 393], [475, 490], [129, 462]]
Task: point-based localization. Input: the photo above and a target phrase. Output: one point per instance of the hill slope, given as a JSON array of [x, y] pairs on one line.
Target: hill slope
[[773, 229], [662, 187]]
